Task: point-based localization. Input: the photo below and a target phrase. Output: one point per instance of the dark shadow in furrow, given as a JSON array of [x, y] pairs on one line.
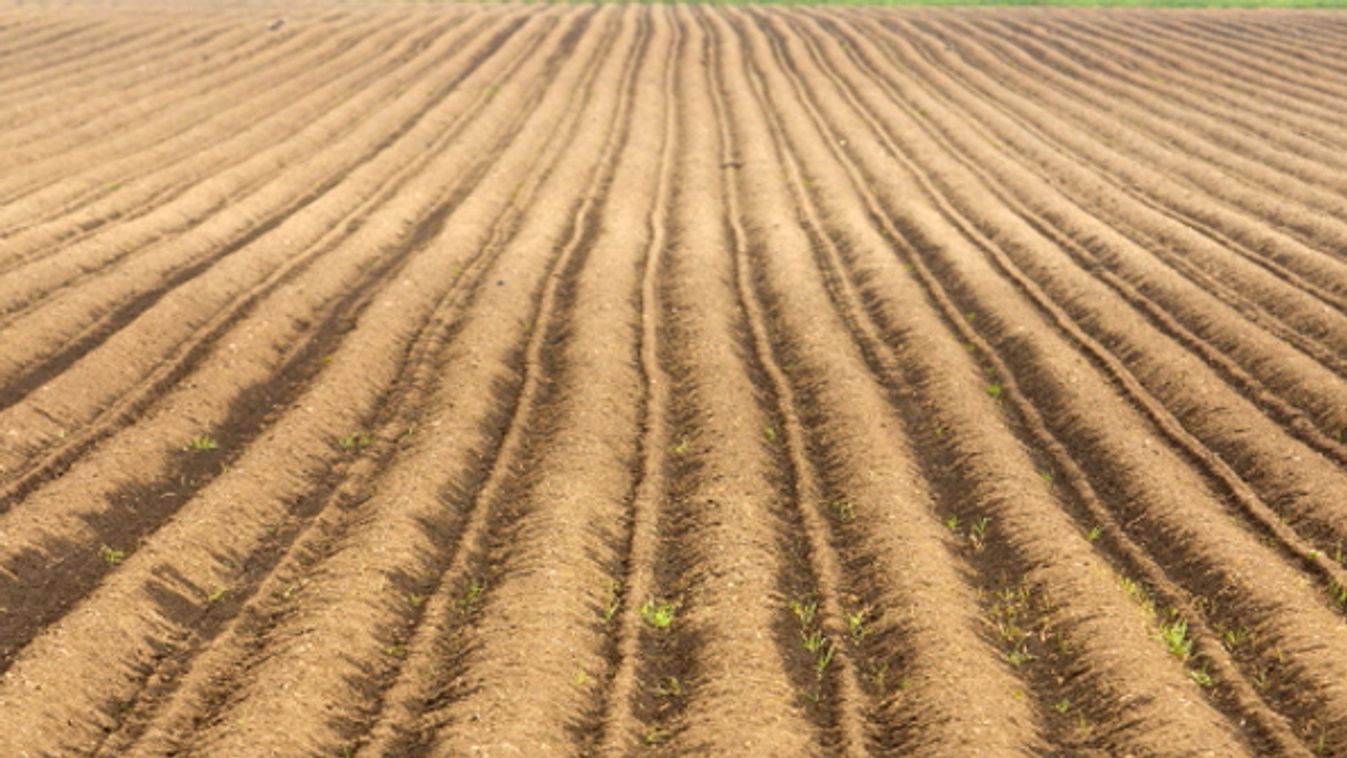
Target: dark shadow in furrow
[[1224, 90], [993, 565], [1240, 54], [65, 35], [799, 579], [673, 655], [1090, 259], [53, 467], [1277, 409], [489, 560], [1225, 482], [168, 194], [136, 511], [665, 657], [1079, 497], [1301, 336], [1328, 293], [25, 383], [1220, 91], [330, 486]]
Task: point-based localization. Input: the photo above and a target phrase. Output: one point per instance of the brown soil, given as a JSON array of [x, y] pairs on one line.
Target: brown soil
[[432, 379]]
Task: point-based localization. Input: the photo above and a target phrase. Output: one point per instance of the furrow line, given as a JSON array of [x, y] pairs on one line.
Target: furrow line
[[1240, 189], [348, 299], [729, 567], [233, 640], [1236, 58], [93, 209], [87, 427], [627, 714], [76, 247], [419, 698], [49, 111], [822, 565], [1083, 496], [1241, 495], [71, 40], [59, 182], [1304, 320], [1030, 577], [1272, 108], [1309, 426], [1170, 542], [301, 424]]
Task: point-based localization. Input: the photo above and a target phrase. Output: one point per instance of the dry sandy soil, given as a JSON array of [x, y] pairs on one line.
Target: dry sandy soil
[[524, 380]]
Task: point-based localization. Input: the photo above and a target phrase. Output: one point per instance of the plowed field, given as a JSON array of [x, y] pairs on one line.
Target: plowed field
[[528, 380]]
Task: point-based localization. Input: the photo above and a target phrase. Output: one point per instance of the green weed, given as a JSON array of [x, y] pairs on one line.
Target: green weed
[[110, 555], [202, 442]]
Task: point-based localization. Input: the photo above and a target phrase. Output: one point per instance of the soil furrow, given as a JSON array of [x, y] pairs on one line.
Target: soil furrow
[[1041, 371], [1294, 113], [434, 379], [104, 95], [1012, 583], [511, 534], [330, 322], [1103, 523], [838, 680], [1311, 321], [629, 715], [84, 245], [1304, 234], [361, 191], [150, 186], [323, 546], [49, 186], [255, 458], [1276, 370]]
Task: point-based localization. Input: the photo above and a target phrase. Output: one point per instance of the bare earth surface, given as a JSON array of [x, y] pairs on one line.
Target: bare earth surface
[[531, 380]]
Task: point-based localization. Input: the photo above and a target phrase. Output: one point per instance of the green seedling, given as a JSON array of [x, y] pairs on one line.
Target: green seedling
[[1093, 533], [679, 447], [1175, 637], [1337, 592], [614, 601], [844, 510], [1200, 677], [804, 612], [111, 555], [215, 594], [670, 687], [825, 655], [1045, 475], [856, 623], [654, 735], [397, 651], [357, 440], [1018, 657], [813, 641], [659, 613], [769, 433], [1062, 706], [952, 522], [994, 390], [977, 532], [579, 678], [415, 600], [202, 442]]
